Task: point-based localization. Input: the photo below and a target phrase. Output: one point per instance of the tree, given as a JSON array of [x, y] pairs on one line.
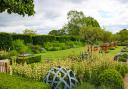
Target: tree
[[29, 32], [107, 36], [21, 7], [91, 34], [77, 20], [57, 32], [123, 35]]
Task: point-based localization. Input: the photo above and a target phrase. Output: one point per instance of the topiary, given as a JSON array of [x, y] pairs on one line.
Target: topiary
[[111, 78]]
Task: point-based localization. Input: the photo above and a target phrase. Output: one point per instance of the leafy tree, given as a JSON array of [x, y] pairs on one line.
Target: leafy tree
[[107, 36], [57, 32], [77, 20], [21, 7], [29, 32], [91, 34], [122, 35]]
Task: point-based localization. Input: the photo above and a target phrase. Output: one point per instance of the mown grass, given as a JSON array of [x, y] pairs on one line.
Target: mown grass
[[62, 54], [55, 55], [15, 82]]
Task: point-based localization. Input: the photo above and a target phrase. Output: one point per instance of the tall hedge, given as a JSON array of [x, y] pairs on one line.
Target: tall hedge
[[25, 38], [41, 39], [5, 41]]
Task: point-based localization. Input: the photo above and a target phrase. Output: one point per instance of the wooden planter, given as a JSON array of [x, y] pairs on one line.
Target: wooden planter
[[4, 66]]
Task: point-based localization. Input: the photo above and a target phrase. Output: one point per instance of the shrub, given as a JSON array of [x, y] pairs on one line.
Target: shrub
[[112, 48], [28, 60], [14, 82], [34, 59], [122, 69], [19, 46], [123, 57], [26, 38], [111, 78], [4, 55], [86, 86], [5, 41]]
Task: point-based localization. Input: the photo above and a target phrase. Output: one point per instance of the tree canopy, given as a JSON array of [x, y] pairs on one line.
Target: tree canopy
[[77, 20], [21, 7]]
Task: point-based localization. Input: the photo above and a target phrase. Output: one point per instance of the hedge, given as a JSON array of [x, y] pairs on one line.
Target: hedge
[[5, 41], [29, 60], [15, 82], [25, 38], [41, 39]]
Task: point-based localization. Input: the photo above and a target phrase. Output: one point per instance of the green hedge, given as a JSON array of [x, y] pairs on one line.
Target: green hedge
[[41, 39], [5, 41], [25, 38], [28, 60], [14, 82]]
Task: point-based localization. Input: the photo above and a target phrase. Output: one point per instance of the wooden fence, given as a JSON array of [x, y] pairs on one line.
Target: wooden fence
[[4, 66]]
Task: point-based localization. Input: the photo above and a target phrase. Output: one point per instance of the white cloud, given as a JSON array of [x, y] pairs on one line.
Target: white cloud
[[52, 15]]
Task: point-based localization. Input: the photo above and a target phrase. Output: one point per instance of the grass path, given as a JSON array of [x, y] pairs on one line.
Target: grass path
[[53, 55]]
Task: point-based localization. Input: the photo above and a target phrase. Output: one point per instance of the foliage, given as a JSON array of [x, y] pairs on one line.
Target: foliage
[[5, 41], [14, 82], [122, 69], [86, 86], [111, 78], [19, 46], [55, 46], [21, 7], [77, 20], [4, 55], [29, 59], [29, 32], [25, 37], [122, 35], [91, 33]]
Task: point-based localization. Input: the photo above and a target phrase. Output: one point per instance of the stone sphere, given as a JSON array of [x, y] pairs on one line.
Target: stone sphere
[[61, 78]]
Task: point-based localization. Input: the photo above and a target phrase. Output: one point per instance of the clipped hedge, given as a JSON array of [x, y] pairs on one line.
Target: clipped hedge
[[25, 38], [5, 41], [28, 60], [41, 39], [14, 82]]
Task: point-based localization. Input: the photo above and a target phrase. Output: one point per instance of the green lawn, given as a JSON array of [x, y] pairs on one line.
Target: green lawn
[[114, 52], [52, 55]]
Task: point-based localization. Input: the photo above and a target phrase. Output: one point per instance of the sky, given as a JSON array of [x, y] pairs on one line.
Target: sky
[[52, 14]]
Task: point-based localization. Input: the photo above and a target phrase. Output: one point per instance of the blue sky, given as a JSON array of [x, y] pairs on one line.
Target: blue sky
[[52, 14]]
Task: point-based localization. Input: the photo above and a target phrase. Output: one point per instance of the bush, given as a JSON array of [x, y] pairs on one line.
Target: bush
[[5, 41], [122, 69], [111, 78], [112, 48], [86, 86], [28, 60], [14, 82], [4, 55], [26, 38], [34, 59], [123, 57], [19, 46]]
